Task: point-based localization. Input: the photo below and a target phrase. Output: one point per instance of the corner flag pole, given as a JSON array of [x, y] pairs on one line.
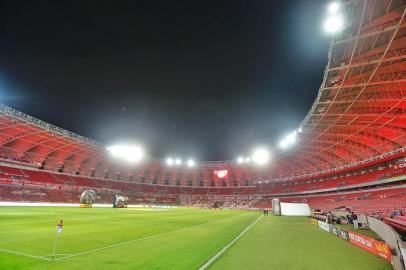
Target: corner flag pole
[[53, 252], [58, 232]]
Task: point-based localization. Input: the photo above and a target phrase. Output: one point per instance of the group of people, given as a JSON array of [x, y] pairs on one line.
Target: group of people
[[331, 218], [392, 214], [352, 218], [265, 212], [396, 213]]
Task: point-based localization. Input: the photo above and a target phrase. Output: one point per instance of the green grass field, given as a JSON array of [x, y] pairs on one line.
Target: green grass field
[[169, 239]]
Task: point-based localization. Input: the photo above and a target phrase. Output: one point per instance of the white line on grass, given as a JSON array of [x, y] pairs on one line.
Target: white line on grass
[[28, 222], [24, 254], [60, 255], [57, 254], [140, 239], [84, 219], [273, 222], [48, 221], [225, 248]]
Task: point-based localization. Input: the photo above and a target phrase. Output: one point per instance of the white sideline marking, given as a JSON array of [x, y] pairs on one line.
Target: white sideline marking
[[225, 248], [140, 239], [47, 221], [24, 254], [22, 223], [56, 254], [84, 219], [60, 255], [273, 222]]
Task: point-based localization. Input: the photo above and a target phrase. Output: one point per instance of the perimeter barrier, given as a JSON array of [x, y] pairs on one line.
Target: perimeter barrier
[[369, 244]]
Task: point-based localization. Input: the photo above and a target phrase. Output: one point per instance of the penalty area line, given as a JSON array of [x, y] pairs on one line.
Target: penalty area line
[[226, 247]]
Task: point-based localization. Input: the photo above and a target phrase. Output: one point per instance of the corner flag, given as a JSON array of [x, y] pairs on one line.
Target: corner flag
[[59, 226], [58, 231]]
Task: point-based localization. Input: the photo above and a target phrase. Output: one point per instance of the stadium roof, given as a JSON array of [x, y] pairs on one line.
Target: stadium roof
[[358, 116]]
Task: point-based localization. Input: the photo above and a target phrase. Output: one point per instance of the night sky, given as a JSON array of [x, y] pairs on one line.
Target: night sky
[[203, 79]]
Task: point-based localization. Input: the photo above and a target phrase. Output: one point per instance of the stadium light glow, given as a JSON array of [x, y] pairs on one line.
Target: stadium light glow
[[289, 140], [169, 161], [132, 153], [334, 24], [178, 161], [241, 160], [190, 163], [283, 144], [260, 156], [334, 7]]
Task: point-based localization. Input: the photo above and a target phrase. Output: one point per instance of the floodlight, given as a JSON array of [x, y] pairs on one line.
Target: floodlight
[[247, 159], [190, 163], [291, 138], [260, 156], [169, 161], [283, 144], [288, 140], [334, 24], [130, 153], [178, 161], [240, 160], [334, 7]]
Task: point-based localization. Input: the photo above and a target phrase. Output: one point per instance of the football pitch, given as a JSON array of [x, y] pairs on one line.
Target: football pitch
[[106, 238]]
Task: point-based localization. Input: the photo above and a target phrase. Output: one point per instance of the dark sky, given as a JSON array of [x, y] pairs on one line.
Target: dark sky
[[203, 79]]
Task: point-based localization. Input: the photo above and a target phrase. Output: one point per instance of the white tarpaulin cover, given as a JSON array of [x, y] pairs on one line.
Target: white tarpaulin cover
[[295, 209], [324, 226]]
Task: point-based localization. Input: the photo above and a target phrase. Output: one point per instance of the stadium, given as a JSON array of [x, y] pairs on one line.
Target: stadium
[[335, 187]]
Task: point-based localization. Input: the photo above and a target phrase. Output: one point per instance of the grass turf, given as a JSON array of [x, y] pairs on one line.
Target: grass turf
[[292, 243], [169, 239]]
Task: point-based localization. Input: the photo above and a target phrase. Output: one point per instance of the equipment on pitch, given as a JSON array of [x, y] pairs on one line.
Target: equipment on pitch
[[276, 207], [87, 198], [295, 209], [120, 201], [59, 228], [290, 209]]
